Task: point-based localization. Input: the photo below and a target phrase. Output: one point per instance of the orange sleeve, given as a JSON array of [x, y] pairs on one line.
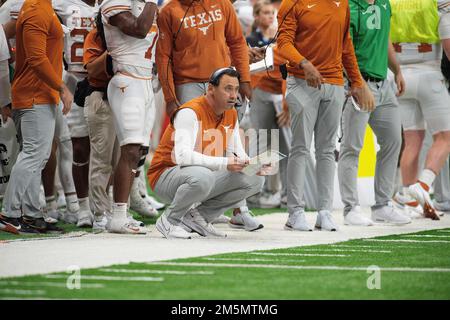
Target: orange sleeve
[[92, 48], [236, 43], [163, 56], [349, 58], [287, 32], [35, 33]]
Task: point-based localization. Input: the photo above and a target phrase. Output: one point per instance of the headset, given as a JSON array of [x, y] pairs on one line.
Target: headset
[[214, 79]]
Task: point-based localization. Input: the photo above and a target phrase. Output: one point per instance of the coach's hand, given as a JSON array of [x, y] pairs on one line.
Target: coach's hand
[[400, 82], [235, 164], [312, 75], [245, 89], [364, 97], [66, 98]]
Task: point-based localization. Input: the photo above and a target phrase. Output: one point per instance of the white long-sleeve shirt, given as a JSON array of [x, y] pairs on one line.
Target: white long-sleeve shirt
[[186, 130]]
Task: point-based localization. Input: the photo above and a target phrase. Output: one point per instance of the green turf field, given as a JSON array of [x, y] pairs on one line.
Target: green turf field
[[411, 266]]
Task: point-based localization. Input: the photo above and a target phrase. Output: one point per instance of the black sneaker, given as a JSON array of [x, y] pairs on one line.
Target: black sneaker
[[15, 226], [36, 223]]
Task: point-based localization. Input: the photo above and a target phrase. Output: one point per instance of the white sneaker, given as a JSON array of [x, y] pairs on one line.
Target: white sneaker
[[389, 214], [61, 201], [221, 219], [124, 226], [297, 222], [70, 217], [420, 194], [85, 219], [101, 224], [325, 221], [408, 205], [169, 230], [138, 204], [47, 218], [356, 218], [54, 213], [194, 220], [134, 222], [245, 220], [265, 200]]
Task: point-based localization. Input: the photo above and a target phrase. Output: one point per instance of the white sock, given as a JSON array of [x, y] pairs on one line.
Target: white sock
[[72, 203], [50, 203], [84, 204], [120, 211], [427, 176]]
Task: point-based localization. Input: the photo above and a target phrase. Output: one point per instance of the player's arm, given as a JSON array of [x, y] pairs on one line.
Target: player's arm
[[394, 66], [137, 27]]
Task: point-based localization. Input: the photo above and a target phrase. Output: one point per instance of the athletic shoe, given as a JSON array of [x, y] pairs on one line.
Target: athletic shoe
[[48, 218], [85, 219], [418, 192], [356, 218], [139, 205], [61, 201], [169, 230], [124, 226], [101, 222], [265, 200], [194, 220], [15, 226], [70, 217], [40, 225], [245, 220], [408, 205], [142, 187], [389, 214], [297, 222], [325, 221], [221, 219], [134, 222]]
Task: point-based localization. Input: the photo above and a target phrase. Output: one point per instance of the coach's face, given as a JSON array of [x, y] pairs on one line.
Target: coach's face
[[225, 94]]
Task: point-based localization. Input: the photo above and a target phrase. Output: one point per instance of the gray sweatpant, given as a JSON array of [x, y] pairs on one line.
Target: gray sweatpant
[[189, 91], [37, 127], [217, 191], [312, 111], [263, 116], [385, 122]]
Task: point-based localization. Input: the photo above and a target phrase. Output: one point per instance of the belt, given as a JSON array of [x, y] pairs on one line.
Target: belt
[[421, 48], [371, 79]]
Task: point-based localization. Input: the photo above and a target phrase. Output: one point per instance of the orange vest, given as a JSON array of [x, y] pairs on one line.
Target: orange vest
[[212, 137]]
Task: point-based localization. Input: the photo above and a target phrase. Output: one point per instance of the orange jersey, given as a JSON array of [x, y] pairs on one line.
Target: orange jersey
[[190, 49], [318, 31], [39, 49], [272, 81], [164, 158], [93, 48]]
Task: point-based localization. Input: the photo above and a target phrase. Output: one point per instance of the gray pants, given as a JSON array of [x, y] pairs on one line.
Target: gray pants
[[189, 91], [102, 160], [385, 122], [312, 111], [217, 191], [263, 116], [37, 127]]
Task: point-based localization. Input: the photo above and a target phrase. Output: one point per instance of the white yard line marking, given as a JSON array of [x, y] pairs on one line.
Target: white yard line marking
[[106, 278], [382, 246], [175, 272], [344, 250], [280, 266], [50, 284], [299, 254], [24, 292], [443, 230], [406, 240], [243, 259], [424, 236]]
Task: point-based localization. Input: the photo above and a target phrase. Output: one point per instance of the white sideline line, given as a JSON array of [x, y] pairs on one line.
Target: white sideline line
[[406, 240], [106, 278], [299, 254], [243, 259], [157, 271], [50, 284], [424, 236], [281, 266], [24, 292], [345, 250]]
